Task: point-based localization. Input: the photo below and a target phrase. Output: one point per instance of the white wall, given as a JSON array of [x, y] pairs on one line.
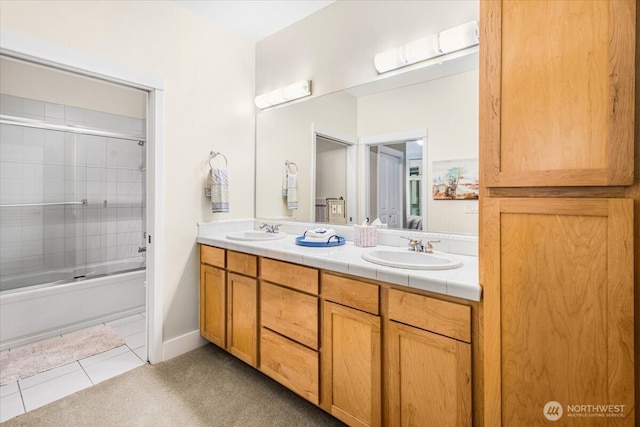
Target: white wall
[[208, 78], [335, 46], [25, 80]]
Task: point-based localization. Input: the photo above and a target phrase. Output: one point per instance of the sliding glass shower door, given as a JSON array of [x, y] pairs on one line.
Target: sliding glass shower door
[[72, 192]]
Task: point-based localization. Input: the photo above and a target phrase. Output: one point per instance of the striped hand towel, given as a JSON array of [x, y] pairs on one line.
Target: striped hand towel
[[285, 182], [219, 190]]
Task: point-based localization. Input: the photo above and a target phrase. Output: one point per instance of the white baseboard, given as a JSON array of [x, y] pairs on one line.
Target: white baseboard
[[182, 344]]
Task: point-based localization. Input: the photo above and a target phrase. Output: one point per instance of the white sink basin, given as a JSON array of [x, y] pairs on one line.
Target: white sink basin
[[412, 260], [255, 235]]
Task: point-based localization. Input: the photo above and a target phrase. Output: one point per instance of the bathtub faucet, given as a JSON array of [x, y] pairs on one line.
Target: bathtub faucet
[[142, 249]]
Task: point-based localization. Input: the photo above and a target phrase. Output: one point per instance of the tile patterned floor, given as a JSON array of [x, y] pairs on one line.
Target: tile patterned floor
[[38, 390]]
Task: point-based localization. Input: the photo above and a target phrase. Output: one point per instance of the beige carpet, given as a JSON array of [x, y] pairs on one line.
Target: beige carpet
[[41, 356], [205, 387]]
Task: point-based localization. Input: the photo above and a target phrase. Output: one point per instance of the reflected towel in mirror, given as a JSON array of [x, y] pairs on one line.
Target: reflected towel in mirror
[[219, 190], [292, 191]]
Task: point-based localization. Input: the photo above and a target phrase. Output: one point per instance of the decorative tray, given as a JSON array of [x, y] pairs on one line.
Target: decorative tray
[[333, 241]]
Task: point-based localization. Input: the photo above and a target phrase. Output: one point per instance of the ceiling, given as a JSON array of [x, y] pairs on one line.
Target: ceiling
[[254, 19]]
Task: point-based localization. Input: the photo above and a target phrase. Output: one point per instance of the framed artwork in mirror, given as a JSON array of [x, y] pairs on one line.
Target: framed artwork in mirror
[[455, 179]]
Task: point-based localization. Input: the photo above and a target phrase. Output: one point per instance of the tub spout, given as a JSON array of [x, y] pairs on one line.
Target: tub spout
[[142, 249]]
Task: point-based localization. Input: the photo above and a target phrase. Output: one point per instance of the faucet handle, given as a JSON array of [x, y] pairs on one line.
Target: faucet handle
[[429, 245]]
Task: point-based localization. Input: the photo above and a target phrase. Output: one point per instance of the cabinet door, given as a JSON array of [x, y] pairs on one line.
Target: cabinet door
[[557, 92], [429, 378], [351, 385], [242, 318], [558, 292], [212, 304]]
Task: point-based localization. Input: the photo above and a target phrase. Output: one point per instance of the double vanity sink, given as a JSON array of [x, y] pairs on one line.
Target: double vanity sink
[[397, 258], [447, 271]]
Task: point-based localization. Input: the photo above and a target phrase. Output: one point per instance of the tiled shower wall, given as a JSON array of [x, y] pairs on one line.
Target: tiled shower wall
[[45, 166]]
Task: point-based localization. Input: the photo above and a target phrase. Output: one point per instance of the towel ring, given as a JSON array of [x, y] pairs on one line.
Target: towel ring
[[213, 155], [287, 163]]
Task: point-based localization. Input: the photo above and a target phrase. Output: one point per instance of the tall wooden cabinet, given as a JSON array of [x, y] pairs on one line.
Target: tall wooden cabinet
[[557, 90]]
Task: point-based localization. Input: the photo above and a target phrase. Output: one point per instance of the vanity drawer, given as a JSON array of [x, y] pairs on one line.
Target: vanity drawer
[[212, 256], [290, 275], [290, 313], [291, 364], [242, 263], [442, 317], [352, 293]]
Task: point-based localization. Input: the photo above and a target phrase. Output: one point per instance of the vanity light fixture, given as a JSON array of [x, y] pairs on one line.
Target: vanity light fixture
[[285, 94], [450, 40]]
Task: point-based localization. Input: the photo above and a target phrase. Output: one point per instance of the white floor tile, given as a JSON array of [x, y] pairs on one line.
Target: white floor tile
[[114, 366], [8, 389], [125, 320], [49, 375], [136, 340], [142, 353], [130, 328], [101, 357], [40, 389], [54, 389], [11, 406]]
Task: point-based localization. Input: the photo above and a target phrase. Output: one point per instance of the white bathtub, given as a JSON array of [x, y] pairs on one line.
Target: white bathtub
[[65, 304]]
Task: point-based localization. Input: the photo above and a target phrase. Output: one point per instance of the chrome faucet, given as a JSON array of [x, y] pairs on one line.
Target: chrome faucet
[[271, 228], [417, 245], [142, 249], [414, 244]]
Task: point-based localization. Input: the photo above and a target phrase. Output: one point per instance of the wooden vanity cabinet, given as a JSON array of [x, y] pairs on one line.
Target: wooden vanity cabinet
[[213, 295], [428, 361], [228, 301], [364, 351], [289, 317], [351, 350]]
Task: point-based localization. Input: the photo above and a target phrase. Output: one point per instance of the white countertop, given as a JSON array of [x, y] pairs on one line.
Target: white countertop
[[460, 282]]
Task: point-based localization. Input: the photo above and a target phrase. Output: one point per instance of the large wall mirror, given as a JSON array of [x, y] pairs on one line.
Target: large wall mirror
[[375, 151]]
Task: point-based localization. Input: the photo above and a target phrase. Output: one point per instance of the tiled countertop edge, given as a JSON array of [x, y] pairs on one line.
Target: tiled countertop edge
[[461, 282]]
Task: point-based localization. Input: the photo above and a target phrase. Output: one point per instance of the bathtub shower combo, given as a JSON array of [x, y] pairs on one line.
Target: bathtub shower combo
[[72, 218]]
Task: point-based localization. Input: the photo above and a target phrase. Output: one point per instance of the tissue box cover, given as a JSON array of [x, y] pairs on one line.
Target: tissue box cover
[[365, 235]]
